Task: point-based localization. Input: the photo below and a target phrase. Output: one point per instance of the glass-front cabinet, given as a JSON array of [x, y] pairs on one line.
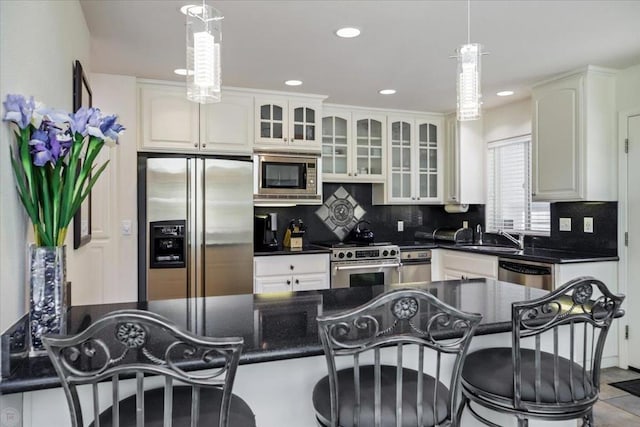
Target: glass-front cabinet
[[415, 161], [353, 146], [292, 123]]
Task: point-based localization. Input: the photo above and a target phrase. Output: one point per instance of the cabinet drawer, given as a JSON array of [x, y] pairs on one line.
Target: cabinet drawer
[[291, 264], [474, 264]]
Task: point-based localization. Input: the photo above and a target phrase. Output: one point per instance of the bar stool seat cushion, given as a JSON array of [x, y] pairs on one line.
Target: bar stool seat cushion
[[347, 402], [490, 371], [210, 398]]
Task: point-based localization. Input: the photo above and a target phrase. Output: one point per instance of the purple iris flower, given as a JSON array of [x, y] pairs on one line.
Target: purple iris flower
[[19, 110], [48, 144], [110, 129], [80, 119]]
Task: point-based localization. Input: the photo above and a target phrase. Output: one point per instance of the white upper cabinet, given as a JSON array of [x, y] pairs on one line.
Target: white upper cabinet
[[574, 146], [289, 123], [352, 146], [414, 161], [171, 123], [465, 162]]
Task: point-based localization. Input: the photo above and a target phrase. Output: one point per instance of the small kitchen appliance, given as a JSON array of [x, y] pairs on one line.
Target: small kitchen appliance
[[361, 233], [293, 234], [266, 230]]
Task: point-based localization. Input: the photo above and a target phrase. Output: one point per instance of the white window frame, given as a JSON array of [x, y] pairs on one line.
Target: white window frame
[[488, 224]]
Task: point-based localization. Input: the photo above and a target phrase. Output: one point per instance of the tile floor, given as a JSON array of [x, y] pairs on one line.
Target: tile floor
[[616, 408]]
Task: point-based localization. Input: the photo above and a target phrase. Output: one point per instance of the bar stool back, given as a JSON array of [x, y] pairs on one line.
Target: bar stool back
[[382, 346], [142, 345], [552, 370]]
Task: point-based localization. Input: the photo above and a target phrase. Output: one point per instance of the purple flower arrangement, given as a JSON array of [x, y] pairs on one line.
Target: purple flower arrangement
[[54, 161]]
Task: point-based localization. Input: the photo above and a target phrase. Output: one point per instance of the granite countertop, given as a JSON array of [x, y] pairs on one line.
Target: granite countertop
[[553, 256], [276, 326], [305, 249]]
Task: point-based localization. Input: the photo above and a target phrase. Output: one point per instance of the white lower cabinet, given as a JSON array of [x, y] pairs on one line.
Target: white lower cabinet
[[285, 273], [450, 265]]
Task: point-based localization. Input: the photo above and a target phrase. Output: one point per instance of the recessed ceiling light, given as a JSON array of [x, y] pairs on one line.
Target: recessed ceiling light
[[293, 82], [505, 93], [196, 11], [348, 32], [387, 91], [183, 72]]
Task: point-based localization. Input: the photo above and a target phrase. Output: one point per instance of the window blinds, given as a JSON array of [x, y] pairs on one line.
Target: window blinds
[[509, 205]]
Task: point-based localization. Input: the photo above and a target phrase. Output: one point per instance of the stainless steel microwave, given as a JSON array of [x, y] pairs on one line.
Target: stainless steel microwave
[[286, 176]]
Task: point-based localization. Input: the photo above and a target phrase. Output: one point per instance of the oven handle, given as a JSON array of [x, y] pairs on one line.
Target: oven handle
[[359, 266]]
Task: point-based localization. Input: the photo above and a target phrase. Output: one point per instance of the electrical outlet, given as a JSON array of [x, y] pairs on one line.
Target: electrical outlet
[[465, 224], [588, 224], [400, 225], [565, 224]]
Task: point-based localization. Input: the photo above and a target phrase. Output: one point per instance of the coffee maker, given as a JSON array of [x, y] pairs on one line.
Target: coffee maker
[[265, 229]]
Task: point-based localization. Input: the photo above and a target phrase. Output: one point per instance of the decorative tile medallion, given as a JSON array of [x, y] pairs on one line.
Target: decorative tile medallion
[[340, 212]]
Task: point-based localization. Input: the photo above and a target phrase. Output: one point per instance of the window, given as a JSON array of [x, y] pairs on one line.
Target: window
[[509, 206]]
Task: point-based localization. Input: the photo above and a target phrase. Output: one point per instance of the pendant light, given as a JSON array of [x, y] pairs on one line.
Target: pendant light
[[204, 36], [468, 77]]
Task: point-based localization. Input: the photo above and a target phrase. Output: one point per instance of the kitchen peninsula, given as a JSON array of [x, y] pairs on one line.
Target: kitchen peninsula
[[282, 356]]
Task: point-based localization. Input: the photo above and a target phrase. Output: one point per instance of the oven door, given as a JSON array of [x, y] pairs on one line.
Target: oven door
[[350, 274]]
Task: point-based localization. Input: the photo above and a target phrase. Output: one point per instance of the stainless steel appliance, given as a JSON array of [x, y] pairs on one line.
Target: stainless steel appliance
[[196, 226], [455, 235], [279, 176], [415, 266], [265, 229], [373, 264], [528, 273]]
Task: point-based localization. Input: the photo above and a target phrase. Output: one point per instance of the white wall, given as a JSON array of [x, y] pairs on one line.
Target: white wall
[[39, 41], [507, 121], [628, 89]]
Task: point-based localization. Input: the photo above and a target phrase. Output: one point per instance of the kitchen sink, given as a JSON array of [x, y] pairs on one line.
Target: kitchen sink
[[487, 248]]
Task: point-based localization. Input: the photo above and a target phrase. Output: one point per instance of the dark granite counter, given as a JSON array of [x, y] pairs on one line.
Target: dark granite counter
[[274, 326], [304, 250]]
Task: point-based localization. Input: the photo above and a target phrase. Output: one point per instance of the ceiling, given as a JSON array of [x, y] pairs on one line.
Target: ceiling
[[404, 45]]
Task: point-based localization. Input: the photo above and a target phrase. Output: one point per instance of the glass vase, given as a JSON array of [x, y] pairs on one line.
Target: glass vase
[[47, 300]]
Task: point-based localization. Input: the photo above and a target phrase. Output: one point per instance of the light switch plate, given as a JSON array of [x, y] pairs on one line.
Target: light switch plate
[[565, 224], [400, 225], [588, 224], [125, 227]]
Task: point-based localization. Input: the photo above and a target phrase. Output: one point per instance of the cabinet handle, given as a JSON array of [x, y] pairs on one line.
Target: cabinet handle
[[453, 197], [204, 145], [195, 145], [349, 173], [413, 198], [297, 282], [355, 174], [417, 198], [288, 282], [533, 193], [291, 267]]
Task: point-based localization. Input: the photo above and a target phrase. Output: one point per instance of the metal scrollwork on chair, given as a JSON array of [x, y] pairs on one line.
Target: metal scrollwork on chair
[[401, 321], [138, 342]]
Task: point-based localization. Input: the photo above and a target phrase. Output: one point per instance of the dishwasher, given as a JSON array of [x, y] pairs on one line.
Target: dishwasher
[[527, 273], [415, 266]]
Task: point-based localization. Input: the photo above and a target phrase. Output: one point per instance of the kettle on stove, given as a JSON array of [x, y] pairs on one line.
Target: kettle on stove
[[361, 233]]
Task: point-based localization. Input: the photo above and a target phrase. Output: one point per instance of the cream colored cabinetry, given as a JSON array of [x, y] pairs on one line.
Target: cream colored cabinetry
[[286, 273], [169, 122], [353, 145], [414, 161], [465, 161], [451, 264], [574, 146], [289, 123]]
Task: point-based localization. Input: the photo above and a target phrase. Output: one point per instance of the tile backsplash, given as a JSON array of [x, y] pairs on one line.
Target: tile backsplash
[[383, 221]]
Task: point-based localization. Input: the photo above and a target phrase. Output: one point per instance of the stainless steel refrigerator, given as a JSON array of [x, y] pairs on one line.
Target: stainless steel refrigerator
[[195, 226]]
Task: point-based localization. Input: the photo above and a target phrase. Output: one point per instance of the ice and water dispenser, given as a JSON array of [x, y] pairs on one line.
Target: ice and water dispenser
[[167, 244]]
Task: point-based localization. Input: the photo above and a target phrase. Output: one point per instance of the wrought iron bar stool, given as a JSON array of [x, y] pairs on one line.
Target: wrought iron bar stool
[[552, 370], [193, 375], [383, 346]]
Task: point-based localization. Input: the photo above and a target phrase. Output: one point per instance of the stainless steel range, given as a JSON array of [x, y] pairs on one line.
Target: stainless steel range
[[355, 265]]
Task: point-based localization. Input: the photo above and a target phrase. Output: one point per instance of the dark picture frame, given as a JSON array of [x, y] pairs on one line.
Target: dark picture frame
[[82, 97]]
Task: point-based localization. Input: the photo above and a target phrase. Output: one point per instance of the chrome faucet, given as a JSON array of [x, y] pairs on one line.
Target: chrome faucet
[[479, 233], [519, 241]]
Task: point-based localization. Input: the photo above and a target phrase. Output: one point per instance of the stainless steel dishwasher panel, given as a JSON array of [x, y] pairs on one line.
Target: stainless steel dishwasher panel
[[528, 273], [416, 266]]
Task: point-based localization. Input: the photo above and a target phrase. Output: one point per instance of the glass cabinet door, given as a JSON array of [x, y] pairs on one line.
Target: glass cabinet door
[[304, 124], [368, 147], [428, 160], [335, 145], [401, 159], [272, 122]]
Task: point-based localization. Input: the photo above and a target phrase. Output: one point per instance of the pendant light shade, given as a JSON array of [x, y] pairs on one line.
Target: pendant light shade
[[469, 94], [204, 37], [468, 76]]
